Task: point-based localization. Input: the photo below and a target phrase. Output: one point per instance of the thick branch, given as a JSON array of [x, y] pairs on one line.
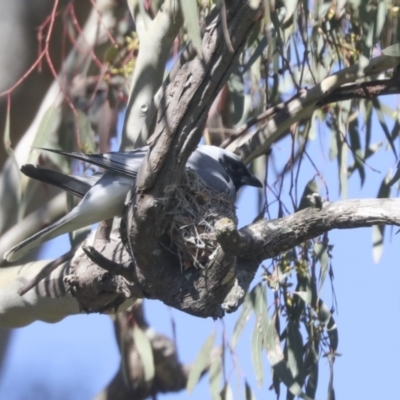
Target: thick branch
[[363, 90], [157, 35], [299, 108], [265, 239]]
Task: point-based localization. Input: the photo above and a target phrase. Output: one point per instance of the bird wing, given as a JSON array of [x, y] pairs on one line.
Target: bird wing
[[121, 162], [76, 185], [106, 199]]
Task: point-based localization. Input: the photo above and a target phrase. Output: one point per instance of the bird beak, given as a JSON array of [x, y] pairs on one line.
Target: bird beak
[[251, 180]]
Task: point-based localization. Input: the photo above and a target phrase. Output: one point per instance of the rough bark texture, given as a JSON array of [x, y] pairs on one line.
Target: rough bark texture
[[181, 119], [222, 286]]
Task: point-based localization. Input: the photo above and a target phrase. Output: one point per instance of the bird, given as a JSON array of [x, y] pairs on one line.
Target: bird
[[103, 195]]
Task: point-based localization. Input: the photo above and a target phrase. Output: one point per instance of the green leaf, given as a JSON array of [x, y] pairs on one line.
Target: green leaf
[[321, 253], [215, 377], [355, 145], [305, 296], [86, 133], [48, 125], [259, 302], [290, 6], [249, 395], [201, 363], [278, 363], [327, 320], [333, 147], [254, 4], [226, 392], [10, 152], [382, 121], [236, 97], [392, 51], [256, 353], [343, 177], [312, 380], [378, 231], [244, 316], [143, 346], [294, 344], [261, 45], [191, 16]]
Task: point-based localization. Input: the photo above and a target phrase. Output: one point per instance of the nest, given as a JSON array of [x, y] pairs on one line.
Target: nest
[[196, 208]]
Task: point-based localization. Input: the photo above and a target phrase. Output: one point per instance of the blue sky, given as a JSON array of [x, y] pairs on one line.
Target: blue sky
[[77, 357]]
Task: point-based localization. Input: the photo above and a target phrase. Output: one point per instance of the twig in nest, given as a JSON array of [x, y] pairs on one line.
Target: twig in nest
[[50, 267], [195, 210]]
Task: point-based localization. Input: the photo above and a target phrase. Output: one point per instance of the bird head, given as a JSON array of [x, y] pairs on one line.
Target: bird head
[[237, 171]]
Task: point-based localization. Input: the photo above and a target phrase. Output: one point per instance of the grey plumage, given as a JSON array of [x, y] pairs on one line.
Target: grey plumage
[[76, 185], [104, 197]]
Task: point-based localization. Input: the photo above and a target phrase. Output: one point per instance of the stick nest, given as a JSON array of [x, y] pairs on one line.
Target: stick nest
[[196, 208]]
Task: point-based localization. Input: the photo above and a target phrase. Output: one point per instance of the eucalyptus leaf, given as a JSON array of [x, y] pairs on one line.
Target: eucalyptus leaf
[[191, 16], [392, 51], [215, 378], [143, 346], [249, 395], [245, 313], [256, 353], [201, 363], [378, 231]]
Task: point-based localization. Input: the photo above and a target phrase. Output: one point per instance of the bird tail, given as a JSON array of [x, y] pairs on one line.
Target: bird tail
[[78, 186], [64, 225]]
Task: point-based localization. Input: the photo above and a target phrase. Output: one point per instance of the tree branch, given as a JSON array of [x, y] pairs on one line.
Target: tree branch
[[251, 146], [265, 239], [181, 119], [157, 35]]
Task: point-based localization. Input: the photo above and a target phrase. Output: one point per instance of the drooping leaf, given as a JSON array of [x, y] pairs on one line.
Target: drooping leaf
[[305, 296], [327, 320], [48, 125], [256, 353], [321, 253], [290, 6], [355, 145], [249, 395], [86, 133], [378, 231], [143, 346], [245, 314], [10, 152], [382, 121], [201, 363], [343, 177], [277, 360], [191, 16], [226, 392], [236, 97], [259, 302], [392, 51], [215, 377], [312, 367], [294, 345]]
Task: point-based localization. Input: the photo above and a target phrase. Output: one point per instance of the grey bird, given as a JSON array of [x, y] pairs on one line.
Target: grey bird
[[103, 195]]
